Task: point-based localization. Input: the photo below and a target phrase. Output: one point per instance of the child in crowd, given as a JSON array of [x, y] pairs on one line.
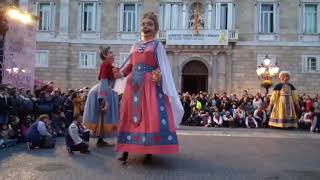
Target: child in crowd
[[250, 121], [77, 136]]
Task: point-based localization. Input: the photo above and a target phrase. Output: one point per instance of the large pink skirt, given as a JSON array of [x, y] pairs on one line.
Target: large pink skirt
[[155, 131]]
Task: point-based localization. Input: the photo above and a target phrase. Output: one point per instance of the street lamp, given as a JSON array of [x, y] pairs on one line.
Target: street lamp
[[266, 71]]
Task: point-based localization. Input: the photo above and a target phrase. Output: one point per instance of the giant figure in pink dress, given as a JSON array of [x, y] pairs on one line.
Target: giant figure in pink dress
[[150, 108]]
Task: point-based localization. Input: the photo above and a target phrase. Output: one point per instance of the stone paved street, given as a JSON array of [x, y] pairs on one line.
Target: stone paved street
[[265, 154]]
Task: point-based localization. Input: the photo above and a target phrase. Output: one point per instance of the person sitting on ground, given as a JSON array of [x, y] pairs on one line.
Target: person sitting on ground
[[78, 136], [217, 119], [315, 126], [239, 117], [38, 134], [228, 119], [260, 116], [7, 136], [306, 120], [250, 121]]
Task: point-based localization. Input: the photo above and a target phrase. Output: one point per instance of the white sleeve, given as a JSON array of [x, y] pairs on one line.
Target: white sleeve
[[168, 84], [243, 114], [215, 120], [234, 115], [255, 114], [43, 129], [247, 122], [255, 122], [73, 132], [209, 120], [220, 120], [225, 118]]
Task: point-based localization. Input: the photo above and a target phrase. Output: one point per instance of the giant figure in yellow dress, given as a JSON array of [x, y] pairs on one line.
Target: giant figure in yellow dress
[[284, 103]]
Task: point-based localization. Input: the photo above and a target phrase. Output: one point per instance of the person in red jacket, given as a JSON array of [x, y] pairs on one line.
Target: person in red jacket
[[101, 109]]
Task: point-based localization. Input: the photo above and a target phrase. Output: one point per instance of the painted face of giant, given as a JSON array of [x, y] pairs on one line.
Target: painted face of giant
[[284, 78], [147, 27]]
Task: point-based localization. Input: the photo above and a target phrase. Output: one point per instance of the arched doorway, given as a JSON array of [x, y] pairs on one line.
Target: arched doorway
[[194, 77]]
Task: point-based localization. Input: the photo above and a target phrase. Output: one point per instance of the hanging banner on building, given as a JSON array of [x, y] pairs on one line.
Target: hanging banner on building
[[189, 37], [19, 54]]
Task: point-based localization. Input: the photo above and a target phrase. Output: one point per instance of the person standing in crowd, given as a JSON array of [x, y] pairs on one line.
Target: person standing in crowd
[[38, 134], [76, 102], [283, 103], [257, 101], [147, 122], [4, 106], [78, 136], [101, 111]]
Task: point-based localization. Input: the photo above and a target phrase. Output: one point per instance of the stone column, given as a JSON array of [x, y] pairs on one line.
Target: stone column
[[229, 72], [214, 74]]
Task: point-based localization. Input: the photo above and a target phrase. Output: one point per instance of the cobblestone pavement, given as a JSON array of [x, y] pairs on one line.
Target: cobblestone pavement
[[259, 154]]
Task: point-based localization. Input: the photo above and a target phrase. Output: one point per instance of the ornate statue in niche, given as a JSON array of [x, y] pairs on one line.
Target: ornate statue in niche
[[194, 10]]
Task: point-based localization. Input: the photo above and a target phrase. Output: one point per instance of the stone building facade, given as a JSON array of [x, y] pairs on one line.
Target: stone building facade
[[234, 36]]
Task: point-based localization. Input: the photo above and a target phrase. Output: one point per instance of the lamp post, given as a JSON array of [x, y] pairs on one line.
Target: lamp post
[[266, 72]]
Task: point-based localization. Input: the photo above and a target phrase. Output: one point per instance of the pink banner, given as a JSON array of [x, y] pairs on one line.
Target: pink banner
[[19, 55]]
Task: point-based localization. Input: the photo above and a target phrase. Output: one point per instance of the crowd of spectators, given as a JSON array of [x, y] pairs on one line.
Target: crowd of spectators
[[245, 110], [20, 108]]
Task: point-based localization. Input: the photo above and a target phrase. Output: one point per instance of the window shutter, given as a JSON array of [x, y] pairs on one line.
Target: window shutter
[[303, 17], [275, 18], [259, 17], [230, 16], [218, 14], [52, 16], [214, 16], [136, 24], [35, 8], [98, 18], [304, 64], [80, 17], [209, 16], [121, 16], [167, 15], [94, 17], [318, 17]]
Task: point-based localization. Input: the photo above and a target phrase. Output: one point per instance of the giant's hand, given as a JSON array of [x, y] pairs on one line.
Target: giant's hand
[[116, 73], [156, 76]]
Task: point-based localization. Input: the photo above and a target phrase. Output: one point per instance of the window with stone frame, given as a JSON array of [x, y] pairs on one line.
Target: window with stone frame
[[310, 17], [87, 60], [128, 17], [224, 16], [170, 16], [89, 16], [42, 58], [311, 64], [45, 12], [267, 18]]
